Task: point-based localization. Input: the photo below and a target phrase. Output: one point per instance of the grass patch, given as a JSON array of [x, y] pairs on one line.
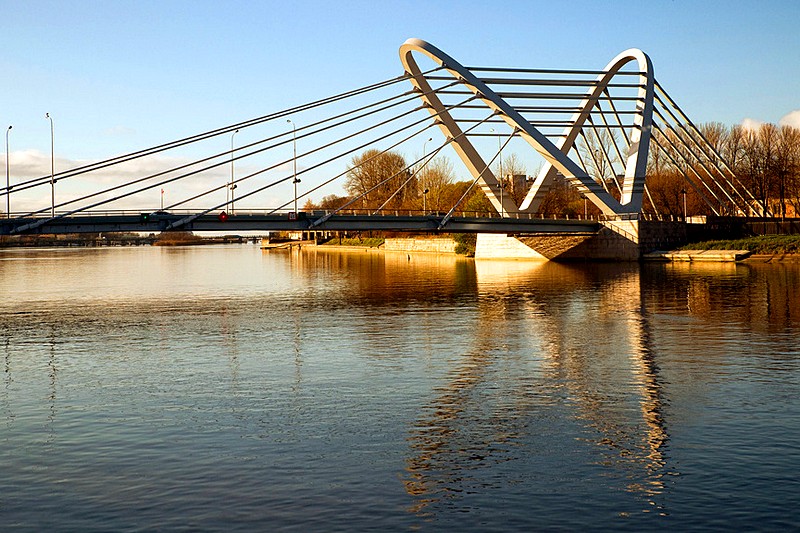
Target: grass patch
[[762, 244]]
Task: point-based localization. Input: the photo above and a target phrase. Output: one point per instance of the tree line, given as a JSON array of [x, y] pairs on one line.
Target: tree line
[[764, 161]]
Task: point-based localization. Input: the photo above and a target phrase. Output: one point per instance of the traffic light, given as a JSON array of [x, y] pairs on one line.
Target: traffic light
[[223, 216], [144, 217]]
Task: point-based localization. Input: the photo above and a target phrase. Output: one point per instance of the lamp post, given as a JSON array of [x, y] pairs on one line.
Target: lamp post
[[295, 181], [8, 183], [683, 192], [233, 184], [500, 155], [52, 166], [424, 189], [500, 172], [499, 158]]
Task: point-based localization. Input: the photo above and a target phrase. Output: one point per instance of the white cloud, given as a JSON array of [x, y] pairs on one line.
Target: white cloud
[[30, 164], [791, 119], [751, 124]]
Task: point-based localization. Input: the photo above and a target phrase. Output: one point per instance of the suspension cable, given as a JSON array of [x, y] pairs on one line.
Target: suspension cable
[[164, 182], [411, 176], [236, 181], [219, 131], [449, 214], [190, 218]]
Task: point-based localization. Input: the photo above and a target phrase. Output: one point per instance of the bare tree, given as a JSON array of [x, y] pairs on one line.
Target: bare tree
[[505, 170], [601, 158], [787, 166], [432, 184], [756, 163], [375, 176]]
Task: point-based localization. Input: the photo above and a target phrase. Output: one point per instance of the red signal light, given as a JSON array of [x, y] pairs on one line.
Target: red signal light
[[223, 216]]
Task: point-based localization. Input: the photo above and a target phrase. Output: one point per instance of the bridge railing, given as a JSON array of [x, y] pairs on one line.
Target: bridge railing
[[343, 212]]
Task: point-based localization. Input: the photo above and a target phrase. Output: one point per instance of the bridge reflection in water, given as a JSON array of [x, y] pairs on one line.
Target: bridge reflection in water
[[504, 390]]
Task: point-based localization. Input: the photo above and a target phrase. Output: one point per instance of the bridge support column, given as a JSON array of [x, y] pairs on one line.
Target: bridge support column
[[499, 246], [617, 240]]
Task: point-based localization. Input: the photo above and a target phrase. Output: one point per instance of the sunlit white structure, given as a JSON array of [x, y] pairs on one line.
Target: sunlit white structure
[[614, 119]]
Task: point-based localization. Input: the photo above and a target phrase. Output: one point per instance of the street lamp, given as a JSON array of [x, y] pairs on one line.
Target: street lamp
[[8, 183], [500, 172], [683, 192], [52, 167], [233, 184], [499, 158], [500, 154], [295, 181], [424, 189]]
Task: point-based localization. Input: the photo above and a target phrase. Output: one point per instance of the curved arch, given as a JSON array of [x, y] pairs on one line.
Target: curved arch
[[555, 156], [636, 164], [450, 128]]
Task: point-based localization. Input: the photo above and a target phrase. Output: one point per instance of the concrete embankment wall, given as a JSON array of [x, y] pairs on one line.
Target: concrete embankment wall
[[443, 245]]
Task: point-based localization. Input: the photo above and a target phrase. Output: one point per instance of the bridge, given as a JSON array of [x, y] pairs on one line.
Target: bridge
[[589, 130], [413, 223]]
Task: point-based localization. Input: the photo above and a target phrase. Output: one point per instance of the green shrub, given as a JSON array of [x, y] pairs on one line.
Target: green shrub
[[465, 243], [368, 242]]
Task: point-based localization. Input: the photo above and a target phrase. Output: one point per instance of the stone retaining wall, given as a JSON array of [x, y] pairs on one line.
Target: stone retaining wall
[[442, 245]]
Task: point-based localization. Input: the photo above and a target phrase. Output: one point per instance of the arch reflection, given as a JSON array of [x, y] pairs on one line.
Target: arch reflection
[[583, 363]]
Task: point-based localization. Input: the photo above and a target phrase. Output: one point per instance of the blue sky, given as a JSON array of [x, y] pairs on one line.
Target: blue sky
[[119, 76]]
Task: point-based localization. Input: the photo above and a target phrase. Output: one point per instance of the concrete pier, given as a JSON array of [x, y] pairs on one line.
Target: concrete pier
[[616, 240]]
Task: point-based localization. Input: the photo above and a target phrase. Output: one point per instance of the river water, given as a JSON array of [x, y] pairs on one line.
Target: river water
[[229, 388]]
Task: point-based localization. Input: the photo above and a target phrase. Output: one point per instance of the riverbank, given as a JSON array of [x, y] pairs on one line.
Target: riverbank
[[759, 249], [773, 258], [769, 245]]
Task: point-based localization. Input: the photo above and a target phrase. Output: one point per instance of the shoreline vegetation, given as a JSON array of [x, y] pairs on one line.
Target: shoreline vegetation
[[367, 242], [758, 245]]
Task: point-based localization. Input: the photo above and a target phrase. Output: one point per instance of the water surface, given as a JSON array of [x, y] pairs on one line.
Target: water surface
[[219, 388]]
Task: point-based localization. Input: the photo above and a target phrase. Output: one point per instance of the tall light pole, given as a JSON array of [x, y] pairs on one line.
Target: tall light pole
[[500, 172], [683, 192], [424, 189], [232, 185], [52, 166], [8, 183], [502, 208], [499, 158], [295, 181]]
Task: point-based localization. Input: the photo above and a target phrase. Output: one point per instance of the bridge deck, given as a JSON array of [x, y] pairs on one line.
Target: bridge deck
[[281, 222]]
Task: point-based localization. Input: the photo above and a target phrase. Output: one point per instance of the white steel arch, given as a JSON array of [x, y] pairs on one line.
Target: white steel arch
[[555, 155]]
